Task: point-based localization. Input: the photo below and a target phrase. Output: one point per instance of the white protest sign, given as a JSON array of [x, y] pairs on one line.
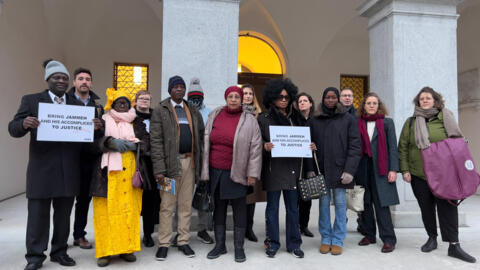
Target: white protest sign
[[65, 123], [290, 141]]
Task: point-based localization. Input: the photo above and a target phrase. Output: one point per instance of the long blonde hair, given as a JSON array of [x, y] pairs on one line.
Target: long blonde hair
[[256, 105]]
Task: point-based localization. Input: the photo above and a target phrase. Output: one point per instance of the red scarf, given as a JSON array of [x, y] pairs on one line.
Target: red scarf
[[381, 140]]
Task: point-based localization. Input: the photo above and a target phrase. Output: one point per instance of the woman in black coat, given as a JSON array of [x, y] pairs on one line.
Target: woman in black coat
[[150, 196], [377, 171], [279, 174], [305, 106], [336, 137]]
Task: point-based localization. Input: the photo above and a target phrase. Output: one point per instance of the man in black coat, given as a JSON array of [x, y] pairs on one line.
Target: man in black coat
[[346, 98], [53, 172], [81, 91]]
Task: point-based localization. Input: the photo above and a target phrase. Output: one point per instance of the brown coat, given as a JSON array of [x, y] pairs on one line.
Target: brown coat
[[247, 148]]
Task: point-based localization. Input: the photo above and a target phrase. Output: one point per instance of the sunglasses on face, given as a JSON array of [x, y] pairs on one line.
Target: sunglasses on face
[[282, 97]]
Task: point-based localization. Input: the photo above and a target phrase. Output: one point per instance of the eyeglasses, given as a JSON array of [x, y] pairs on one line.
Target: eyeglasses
[[282, 97], [145, 99], [346, 95]]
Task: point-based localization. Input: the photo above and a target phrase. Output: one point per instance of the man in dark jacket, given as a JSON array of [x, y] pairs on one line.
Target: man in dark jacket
[[81, 91], [53, 172], [176, 136], [346, 98]]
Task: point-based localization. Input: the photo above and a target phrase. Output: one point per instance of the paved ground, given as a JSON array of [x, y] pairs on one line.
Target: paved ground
[[406, 256]]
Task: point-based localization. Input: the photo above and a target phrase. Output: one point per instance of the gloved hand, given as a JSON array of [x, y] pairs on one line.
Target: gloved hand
[[131, 146], [119, 145], [346, 178]]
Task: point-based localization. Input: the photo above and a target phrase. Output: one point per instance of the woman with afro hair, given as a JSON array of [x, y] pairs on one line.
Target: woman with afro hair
[[280, 174]]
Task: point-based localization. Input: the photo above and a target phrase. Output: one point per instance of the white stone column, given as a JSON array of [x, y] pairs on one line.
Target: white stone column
[[413, 43], [200, 39]]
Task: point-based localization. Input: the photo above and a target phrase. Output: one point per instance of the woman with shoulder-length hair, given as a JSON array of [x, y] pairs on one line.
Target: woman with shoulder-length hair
[[431, 122], [232, 161], [250, 104], [280, 175], [377, 171], [335, 134], [306, 106]]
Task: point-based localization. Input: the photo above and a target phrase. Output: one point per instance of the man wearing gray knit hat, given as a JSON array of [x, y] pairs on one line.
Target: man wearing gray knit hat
[[53, 173]]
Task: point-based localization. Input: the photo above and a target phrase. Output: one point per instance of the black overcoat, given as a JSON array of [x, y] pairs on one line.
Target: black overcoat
[[277, 173], [338, 143], [53, 168], [387, 192]]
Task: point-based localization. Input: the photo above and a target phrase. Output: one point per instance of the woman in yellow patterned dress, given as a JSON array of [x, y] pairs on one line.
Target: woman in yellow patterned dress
[[116, 203]]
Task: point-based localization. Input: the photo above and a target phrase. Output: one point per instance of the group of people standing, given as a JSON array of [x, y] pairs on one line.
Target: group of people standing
[[182, 143]]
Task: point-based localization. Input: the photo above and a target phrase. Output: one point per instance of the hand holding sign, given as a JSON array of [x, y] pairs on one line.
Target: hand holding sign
[[65, 123], [290, 142]]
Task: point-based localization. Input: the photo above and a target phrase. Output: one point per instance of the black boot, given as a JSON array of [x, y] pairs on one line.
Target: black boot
[[249, 234], [430, 245], [220, 247], [238, 240], [457, 252]]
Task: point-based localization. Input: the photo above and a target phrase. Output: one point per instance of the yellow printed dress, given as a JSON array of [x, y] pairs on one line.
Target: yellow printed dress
[[116, 219]]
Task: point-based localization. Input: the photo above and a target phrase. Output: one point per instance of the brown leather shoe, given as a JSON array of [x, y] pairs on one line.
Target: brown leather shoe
[[387, 247], [82, 243], [336, 250], [366, 241], [324, 249]]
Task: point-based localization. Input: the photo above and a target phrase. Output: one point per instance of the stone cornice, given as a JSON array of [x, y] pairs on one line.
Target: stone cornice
[[378, 10]]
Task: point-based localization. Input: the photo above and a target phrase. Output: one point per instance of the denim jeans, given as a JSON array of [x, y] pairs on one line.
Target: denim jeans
[[333, 235], [294, 239]]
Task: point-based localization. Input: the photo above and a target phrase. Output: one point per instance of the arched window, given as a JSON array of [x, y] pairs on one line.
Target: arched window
[[256, 54]]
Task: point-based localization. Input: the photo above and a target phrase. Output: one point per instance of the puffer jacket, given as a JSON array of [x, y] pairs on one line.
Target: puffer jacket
[[247, 148]]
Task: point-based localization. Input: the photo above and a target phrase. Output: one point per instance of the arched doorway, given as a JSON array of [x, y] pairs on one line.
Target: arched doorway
[[259, 60]]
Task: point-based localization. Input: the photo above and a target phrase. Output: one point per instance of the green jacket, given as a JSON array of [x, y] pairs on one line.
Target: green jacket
[[409, 154], [164, 140]]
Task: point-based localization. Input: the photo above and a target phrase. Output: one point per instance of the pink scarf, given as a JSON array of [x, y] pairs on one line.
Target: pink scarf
[[118, 125]]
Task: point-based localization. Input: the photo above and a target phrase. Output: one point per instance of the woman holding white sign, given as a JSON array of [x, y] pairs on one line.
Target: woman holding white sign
[[280, 174], [335, 133], [116, 202], [231, 162]]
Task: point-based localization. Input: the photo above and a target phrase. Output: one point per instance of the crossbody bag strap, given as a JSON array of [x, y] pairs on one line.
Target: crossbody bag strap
[[316, 162]]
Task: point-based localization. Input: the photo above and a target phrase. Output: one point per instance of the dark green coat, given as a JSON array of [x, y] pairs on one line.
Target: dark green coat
[[409, 154], [387, 192], [164, 140]]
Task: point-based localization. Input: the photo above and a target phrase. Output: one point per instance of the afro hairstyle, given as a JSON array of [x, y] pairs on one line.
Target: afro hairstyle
[[274, 87]]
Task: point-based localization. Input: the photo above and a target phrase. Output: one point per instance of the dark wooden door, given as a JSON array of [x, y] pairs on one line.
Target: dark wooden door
[[258, 81]]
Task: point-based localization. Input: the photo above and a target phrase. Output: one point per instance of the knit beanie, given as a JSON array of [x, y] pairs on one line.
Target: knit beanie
[[53, 67], [174, 81], [195, 89], [234, 89]]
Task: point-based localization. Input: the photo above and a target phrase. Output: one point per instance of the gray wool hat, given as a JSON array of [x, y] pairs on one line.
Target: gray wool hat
[[55, 67]]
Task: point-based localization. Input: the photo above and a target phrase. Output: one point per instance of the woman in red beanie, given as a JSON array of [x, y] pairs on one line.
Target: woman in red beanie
[[232, 161]]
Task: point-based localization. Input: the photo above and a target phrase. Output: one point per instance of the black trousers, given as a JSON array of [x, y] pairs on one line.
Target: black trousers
[[38, 227], [303, 212], [150, 210], [447, 213], [239, 207], [83, 199], [382, 214], [250, 215]]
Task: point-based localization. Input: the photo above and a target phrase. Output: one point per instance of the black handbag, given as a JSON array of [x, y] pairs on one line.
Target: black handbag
[[201, 199], [313, 187]]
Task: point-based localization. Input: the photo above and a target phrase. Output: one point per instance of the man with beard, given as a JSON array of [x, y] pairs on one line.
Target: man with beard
[[53, 172], [82, 91]]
